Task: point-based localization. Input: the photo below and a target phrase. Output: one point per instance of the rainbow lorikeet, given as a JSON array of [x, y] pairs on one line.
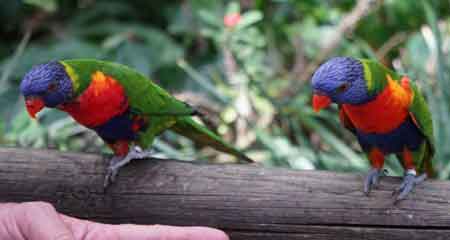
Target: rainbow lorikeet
[[126, 109], [385, 111]]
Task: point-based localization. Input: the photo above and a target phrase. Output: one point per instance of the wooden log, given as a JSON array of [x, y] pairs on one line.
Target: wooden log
[[248, 202]]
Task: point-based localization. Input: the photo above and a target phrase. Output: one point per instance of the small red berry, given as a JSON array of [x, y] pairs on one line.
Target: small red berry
[[231, 20]]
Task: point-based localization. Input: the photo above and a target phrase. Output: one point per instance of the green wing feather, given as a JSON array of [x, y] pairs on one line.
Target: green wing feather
[[375, 75], [421, 114], [147, 98], [419, 109]]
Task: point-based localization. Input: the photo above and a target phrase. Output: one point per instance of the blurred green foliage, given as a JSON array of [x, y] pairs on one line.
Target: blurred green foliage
[[239, 61]]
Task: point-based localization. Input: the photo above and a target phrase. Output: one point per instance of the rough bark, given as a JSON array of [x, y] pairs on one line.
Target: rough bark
[[248, 202]]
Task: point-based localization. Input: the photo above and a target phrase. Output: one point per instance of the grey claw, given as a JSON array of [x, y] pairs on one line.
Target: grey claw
[[106, 182], [372, 179], [110, 177], [408, 184], [402, 186], [118, 162], [111, 173]]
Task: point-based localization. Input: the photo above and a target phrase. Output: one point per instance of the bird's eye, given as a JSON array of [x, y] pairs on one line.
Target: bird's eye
[[342, 88], [51, 87]]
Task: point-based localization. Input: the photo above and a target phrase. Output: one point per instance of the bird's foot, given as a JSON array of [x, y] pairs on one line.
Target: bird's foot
[[117, 162], [372, 179], [410, 180]]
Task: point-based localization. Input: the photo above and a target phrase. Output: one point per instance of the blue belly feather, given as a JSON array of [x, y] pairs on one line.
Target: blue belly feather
[[117, 128], [407, 134]]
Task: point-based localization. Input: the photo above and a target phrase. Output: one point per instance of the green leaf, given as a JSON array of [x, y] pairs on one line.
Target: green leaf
[[210, 18], [233, 7], [249, 18], [47, 5]]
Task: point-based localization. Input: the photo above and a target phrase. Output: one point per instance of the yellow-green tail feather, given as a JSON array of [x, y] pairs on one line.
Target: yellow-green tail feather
[[187, 127]]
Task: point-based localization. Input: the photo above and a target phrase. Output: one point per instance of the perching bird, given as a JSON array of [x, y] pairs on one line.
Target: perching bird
[[385, 111], [122, 106]]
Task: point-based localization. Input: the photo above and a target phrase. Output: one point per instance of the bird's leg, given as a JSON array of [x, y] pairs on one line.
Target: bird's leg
[[410, 180], [376, 158], [118, 162]]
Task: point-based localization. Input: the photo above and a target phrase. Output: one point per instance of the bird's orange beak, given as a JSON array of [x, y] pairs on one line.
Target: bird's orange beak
[[320, 101], [34, 105]]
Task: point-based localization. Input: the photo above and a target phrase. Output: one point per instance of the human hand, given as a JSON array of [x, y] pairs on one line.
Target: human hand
[[39, 220]]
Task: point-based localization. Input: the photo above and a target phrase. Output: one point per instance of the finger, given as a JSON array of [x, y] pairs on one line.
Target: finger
[[8, 228], [79, 228], [33, 221], [159, 232], [87, 230], [39, 220]]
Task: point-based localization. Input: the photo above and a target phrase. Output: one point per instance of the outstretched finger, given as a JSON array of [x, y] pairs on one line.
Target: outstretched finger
[[36, 221], [86, 230], [159, 232]]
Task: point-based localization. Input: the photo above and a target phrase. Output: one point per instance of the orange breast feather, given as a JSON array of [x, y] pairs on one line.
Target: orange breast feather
[[102, 100], [386, 112]]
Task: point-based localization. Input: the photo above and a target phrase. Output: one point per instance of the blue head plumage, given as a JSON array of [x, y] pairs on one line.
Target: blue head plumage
[[342, 80], [49, 83]]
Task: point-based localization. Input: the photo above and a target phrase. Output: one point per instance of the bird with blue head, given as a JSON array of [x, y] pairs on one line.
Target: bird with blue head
[[385, 111], [46, 85], [125, 108], [340, 80], [94, 99]]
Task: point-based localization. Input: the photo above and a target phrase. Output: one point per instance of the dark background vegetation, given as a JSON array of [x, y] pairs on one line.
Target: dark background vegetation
[[251, 78]]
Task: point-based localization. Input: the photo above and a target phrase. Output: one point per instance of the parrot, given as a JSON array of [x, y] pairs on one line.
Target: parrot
[[124, 107], [385, 111]]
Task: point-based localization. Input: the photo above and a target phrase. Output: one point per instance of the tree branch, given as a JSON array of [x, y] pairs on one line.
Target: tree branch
[[248, 202]]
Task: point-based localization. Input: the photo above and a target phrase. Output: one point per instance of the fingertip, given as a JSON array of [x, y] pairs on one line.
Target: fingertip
[[204, 233], [169, 232], [190, 233]]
